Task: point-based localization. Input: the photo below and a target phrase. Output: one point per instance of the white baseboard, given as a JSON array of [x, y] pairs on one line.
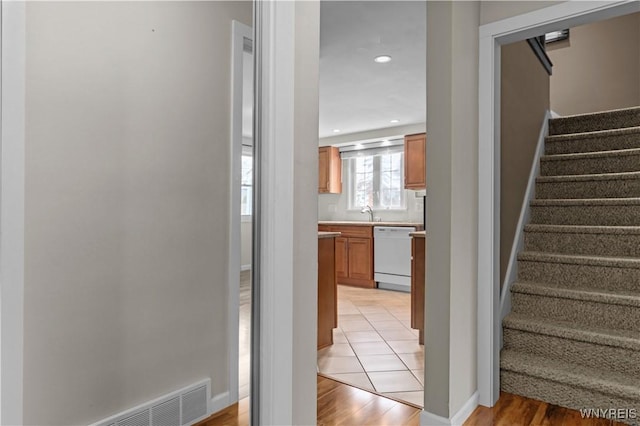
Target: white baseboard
[[465, 411], [430, 419], [219, 402], [245, 267]]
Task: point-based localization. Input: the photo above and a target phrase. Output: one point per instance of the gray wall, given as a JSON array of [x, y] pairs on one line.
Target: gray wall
[[598, 68], [452, 114], [305, 235], [524, 100], [126, 205], [452, 126]]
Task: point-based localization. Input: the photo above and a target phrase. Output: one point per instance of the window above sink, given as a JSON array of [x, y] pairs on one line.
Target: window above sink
[[375, 177]]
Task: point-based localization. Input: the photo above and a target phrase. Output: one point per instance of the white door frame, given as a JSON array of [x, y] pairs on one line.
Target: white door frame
[[12, 41], [492, 36]]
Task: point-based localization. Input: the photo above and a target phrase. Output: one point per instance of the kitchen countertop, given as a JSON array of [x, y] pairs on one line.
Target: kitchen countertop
[[323, 234], [366, 223], [419, 234]]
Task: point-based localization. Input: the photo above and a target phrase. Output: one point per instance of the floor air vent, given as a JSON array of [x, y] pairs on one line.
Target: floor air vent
[[180, 408]]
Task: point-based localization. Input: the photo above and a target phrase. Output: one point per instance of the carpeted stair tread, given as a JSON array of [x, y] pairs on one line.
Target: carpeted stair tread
[[602, 140], [627, 339], [589, 177], [601, 185], [606, 382], [594, 134], [584, 240], [617, 262], [583, 163], [603, 336], [617, 118], [595, 211], [631, 201], [591, 155], [583, 229], [582, 294]]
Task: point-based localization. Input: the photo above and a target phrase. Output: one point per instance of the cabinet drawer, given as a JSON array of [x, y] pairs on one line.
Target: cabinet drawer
[[349, 231]]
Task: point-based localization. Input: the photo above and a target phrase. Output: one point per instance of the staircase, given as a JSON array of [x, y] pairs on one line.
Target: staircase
[[573, 335]]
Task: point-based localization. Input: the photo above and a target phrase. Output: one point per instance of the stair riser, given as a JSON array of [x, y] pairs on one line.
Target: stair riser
[[563, 394], [592, 144], [583, 124], [602, 215], [577, 311], [580, 276], [587, 166], [584, 244], [602, 357], [619, 188]]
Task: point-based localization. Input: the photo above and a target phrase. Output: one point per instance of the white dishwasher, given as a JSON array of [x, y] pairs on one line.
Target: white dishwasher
[[392, 257]]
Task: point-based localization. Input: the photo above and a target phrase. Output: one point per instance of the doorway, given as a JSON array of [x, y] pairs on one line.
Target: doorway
[[492, 37], [372, 94], [241, 220]]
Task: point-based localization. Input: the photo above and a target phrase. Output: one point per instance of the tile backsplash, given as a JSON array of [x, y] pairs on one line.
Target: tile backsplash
[[334, 207]]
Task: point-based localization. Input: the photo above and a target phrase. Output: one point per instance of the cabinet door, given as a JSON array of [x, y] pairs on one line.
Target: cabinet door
[[323, 170], [415, 174], [329, 170], [418, 247], [360, 258], [342, 258]]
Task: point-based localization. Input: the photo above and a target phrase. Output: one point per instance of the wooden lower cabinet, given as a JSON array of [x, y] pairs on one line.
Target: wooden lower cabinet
[[342, 258], [327, 292], [418, 250], [354, 254], [360, 260]]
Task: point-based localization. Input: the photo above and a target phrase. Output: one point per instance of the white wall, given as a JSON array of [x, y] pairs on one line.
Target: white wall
[[127, 129], [305, 223]]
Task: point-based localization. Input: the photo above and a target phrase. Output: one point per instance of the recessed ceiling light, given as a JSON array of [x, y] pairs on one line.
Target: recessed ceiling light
[[336, 130], [382, 59], [394, 121]]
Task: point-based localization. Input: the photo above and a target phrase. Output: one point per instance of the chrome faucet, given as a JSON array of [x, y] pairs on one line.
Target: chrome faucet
[[369, 210]]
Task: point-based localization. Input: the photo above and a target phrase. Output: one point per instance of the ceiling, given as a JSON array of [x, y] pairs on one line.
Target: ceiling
[[358, 94]]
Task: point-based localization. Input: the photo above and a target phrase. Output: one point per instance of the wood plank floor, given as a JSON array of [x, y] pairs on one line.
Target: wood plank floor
[[514, 410], [340, 404]]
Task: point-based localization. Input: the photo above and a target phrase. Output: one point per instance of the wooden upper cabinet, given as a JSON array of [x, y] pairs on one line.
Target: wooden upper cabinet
[[329, 170], [415, 170]]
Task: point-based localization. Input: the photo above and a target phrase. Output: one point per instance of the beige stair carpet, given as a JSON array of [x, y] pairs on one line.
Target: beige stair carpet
[[573, 335]]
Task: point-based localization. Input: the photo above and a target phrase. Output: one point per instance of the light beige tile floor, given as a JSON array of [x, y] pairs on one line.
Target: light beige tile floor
[[374, 348]]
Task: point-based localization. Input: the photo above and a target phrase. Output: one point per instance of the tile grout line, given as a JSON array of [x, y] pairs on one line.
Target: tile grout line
[[364, 315]]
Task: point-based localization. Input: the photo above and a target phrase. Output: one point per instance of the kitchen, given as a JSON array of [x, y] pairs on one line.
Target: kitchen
[[372, 195], [370, 330]]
